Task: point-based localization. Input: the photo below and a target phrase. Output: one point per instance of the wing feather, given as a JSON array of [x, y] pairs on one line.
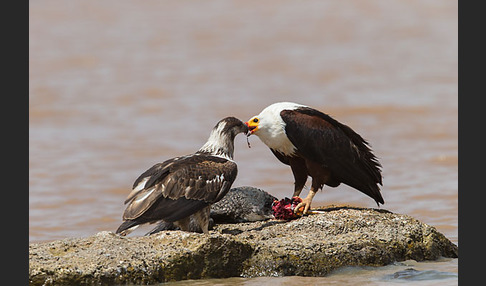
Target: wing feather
[[149, 178], [140, 203], [175, 189]]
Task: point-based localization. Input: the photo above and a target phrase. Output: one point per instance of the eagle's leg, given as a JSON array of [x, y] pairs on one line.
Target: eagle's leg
[[299, 170], [319, 175], [297, 190], [202, 219], [306, 203], [183, 224]]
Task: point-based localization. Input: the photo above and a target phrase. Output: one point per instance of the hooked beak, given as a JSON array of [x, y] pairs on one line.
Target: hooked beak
[[252, 127]]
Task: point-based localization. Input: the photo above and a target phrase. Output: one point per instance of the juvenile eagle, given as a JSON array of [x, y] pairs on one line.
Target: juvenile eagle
[[174, 190], [316, 145]]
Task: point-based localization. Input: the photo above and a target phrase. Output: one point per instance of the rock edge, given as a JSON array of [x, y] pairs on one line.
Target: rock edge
[[312, 245]]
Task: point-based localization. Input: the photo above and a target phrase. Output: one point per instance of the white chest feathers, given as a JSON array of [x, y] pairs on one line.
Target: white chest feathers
[[277, 141], [271, 129]]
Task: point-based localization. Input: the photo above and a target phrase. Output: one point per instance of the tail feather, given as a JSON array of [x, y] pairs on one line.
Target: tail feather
[[161, 226], [127, 226], [376, 194]]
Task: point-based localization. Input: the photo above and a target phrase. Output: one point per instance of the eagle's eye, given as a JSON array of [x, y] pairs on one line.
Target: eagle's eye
[[255, 120]]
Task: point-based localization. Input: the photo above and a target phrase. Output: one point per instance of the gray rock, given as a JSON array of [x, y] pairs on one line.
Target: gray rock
[[312, 245]]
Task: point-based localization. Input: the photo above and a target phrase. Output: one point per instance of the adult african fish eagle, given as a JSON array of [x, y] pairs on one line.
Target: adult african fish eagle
[[316, 145], [174, 190]]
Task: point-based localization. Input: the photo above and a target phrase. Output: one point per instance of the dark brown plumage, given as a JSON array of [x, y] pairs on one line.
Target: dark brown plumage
[[314, 144], [182, 186]]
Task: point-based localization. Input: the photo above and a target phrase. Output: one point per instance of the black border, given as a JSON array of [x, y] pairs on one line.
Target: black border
[[471, 142], [15, 139]]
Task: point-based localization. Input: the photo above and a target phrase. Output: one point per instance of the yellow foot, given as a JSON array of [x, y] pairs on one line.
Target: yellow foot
[[303, 207]]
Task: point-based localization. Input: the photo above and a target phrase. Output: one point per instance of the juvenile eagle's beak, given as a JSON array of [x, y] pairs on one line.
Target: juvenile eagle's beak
[[252, 126]]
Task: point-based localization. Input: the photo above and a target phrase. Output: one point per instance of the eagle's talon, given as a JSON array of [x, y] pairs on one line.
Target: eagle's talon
[[299, 211], [306, 203]]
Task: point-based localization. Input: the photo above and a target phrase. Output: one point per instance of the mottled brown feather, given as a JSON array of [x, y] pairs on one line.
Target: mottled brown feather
[[190, 177]]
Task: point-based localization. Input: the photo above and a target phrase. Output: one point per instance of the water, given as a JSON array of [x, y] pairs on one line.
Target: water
[[117, 86]]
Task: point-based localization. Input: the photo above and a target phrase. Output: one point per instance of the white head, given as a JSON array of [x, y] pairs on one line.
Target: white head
[[270, 128]]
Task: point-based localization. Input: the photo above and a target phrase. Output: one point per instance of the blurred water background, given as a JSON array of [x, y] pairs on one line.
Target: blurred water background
[[117, 86]]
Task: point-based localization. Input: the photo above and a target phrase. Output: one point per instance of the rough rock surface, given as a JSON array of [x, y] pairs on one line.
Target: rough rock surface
[[312, 245]]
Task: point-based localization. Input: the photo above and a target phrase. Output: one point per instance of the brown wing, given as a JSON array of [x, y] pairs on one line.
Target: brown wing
[[145, 182], [320, 138], [179, 187]]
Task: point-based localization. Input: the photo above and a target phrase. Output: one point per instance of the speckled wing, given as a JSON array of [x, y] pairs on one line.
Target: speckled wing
[[148, 179], [179, 187]]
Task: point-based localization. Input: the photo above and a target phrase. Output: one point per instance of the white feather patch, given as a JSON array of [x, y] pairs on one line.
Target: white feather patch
[[217, 179], [145, 196], [141, 185], [137, 189]]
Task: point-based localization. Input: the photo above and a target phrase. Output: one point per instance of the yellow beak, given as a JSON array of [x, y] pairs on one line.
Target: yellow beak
[[252, 126]]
